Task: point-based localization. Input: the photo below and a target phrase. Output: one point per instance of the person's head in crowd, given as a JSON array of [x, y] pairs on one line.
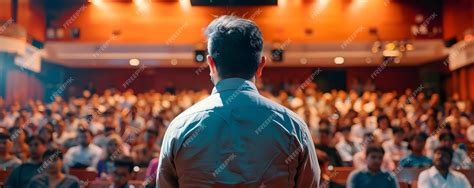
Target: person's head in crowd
[[235, 49], [122, 171], [110, 128], [442, 158], [383, 122], [18, 135], [113, 146], [324, 124], [60, 127], [454, 111], [324, 136], [401, 113], [398, 135], [150, 135], [417, 143], [431, 124], [374, 156], [446, 139], [53, 161], [20, 122], [346, 132], [5, 144], [37, 146], [369, 138], [46, 133], [84, 137]]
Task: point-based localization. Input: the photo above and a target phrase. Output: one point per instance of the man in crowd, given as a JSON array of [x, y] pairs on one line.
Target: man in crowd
[[372, 176], [440, 174], [51, 174], [86, 154], [416, 158], [122, 172], [460, 160], [21, 175]]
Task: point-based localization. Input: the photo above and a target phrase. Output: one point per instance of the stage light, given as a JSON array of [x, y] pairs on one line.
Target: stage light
[[174, 62], [391, 53], [277, 55], [339, 60], [303, 61], [397, 60], [390, 46], [199, 56], [410, 47], [134, 62], [185, 4], [96, 2], [368, 60]]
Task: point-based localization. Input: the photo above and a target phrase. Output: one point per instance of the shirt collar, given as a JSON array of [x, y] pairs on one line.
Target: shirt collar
[[433, 172], [234, 84]]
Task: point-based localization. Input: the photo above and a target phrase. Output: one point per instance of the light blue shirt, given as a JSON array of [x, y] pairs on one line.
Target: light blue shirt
[[236, 137]]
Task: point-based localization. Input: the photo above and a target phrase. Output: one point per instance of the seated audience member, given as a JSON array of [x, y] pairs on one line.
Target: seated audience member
[[7, 160], [21, 175], [396, 147], [384, 130], [346, 147], [46, 133], [113, 149], [86, 154], [110, 128], [143, 153], [440, 174], [324, 144], [361, 128], [20, 147], [51, 174], [61, 136], [373, 175], [416, 158], [122, 172], [460, 158], [360, 157]]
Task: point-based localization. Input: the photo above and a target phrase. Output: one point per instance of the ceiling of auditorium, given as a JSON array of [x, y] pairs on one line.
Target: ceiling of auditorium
[[306, 55]]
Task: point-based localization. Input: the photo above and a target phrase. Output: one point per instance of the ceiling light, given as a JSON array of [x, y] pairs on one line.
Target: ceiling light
[[339, 60], [134, 62]]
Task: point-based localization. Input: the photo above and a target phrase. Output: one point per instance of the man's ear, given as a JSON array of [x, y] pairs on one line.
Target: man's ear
[[212, 65], [260, 66]]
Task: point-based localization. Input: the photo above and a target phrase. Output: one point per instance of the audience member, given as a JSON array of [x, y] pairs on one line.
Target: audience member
[[440, 174]]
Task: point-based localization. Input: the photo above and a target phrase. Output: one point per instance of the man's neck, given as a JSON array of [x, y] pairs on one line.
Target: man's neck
[[374, 171], [55, 176], [443, 171]]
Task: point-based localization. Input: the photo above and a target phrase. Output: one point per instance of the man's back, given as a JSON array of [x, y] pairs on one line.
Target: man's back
[[237, 137]]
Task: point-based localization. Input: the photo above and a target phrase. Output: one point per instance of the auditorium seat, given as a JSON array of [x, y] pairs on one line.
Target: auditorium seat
[[136, 183], [141, 174], [83, 174], [404, 185], [469, 175], [341, 174]]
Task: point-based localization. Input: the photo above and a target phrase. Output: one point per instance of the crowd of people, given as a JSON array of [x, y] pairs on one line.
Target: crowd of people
[[114, 133]]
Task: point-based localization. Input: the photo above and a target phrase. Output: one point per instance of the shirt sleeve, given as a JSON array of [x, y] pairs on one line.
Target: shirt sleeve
[[166, 172], [11, 181], [351, 181], [466, 182], [308, 171], [423, 180]]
